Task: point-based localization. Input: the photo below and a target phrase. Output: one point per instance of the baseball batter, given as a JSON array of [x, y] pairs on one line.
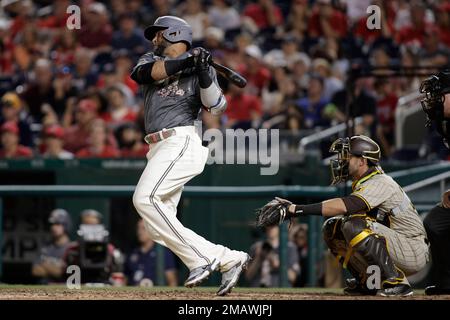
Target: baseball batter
[[176, 84], [376, 225]]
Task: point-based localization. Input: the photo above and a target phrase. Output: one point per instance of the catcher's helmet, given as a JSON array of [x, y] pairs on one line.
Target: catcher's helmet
[[360, 146], [175, 30]]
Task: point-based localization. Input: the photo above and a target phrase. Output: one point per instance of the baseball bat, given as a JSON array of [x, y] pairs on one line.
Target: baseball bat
[[230, 74]]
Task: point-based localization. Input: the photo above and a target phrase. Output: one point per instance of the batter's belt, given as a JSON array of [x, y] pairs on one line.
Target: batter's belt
[[159, 136]]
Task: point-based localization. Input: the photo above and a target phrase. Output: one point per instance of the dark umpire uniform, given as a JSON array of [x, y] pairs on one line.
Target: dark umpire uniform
[[436, 105]]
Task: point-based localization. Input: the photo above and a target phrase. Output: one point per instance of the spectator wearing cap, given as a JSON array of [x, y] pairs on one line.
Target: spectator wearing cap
[[11, 110], [257, 75], [54, 143], [96, 31], [11, 148], [244, 109], [98, 146], [130, 141], [49, 266], [265, 14], [312, 106], [128, 37], [141, 263], [224, 16], [76, 135], [327, 21], [214, 39], [118, 112]]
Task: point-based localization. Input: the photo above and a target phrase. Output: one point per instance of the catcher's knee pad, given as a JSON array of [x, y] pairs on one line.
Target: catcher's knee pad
[[333, 236]]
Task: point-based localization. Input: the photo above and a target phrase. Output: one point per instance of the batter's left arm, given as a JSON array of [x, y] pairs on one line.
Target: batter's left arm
[[210, 92]]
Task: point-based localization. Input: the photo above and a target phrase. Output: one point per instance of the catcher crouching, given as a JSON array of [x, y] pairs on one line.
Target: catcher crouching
[[376, 225]]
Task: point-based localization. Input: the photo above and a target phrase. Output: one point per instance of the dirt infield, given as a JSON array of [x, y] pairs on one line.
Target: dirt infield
[[163, 293]]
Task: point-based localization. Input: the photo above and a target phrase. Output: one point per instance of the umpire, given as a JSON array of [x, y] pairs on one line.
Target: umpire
[[436, 104]]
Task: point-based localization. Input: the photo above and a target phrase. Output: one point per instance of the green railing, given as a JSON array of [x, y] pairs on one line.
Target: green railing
[[314, 237]]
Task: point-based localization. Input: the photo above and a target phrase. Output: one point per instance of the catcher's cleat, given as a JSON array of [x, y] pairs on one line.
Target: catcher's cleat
[[435, 290], [356, 288], [399, 290], [197, 275], [231, 277]]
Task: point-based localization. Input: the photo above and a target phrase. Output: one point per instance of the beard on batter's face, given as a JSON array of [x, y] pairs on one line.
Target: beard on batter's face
[[160, 46]]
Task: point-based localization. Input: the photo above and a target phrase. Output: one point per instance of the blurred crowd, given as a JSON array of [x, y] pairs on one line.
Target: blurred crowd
[[67, 93], [100, 262]]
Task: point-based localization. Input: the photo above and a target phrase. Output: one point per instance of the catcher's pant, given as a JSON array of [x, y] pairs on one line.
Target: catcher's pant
[[408, 254], [171, 164]]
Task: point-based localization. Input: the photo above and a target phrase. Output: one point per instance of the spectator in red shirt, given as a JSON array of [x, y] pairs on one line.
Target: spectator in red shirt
[[118, 112], [244, 110], [386, 105], [264, 13], [130, 141], [58, 18], [54, 143], [10, 142], [387, 24], [76, 136], [327, 22], [96, 32], [98, 146], [253, 70], [415, 32]]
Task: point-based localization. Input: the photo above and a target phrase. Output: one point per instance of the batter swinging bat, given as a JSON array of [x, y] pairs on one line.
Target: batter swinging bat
[[230, 74]]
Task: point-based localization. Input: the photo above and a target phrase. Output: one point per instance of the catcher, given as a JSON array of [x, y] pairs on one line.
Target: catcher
[[375, 225]]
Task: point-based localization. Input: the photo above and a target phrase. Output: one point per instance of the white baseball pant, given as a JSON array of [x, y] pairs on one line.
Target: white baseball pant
[[171, 163]]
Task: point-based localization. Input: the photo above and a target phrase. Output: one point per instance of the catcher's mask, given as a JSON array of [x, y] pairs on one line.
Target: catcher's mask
[[434, 90], [360, 146]]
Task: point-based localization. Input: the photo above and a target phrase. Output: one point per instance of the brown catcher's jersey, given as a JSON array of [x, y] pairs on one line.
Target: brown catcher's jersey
[[386, 200]]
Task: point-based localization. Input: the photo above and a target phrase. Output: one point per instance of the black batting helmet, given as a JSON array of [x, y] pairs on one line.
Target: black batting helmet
[[175, 30]]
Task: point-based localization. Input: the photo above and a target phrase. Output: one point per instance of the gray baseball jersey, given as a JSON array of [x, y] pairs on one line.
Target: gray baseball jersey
[[172, 102], [380, 191]]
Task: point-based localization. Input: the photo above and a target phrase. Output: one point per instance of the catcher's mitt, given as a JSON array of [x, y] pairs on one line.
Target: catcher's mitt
[[273, 213]]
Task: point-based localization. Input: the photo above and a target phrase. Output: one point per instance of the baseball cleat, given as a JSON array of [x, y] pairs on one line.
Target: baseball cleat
[[434, 290], [197, 275], [231, 277], [400, 290]]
